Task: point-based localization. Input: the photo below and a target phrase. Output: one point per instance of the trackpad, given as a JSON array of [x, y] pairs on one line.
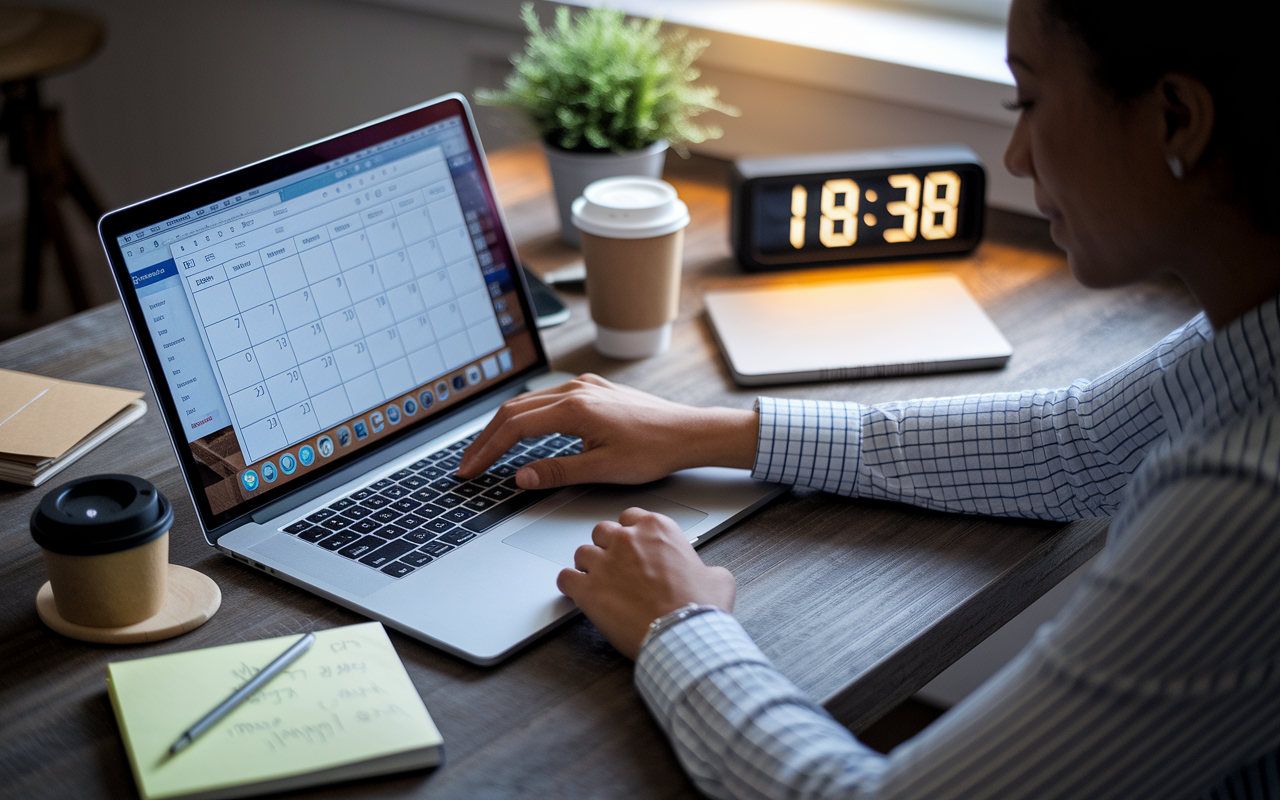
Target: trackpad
[[559, 534]]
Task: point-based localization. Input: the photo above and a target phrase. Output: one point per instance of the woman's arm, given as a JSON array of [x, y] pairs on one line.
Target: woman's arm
[[1051, 454], [1162, 675]]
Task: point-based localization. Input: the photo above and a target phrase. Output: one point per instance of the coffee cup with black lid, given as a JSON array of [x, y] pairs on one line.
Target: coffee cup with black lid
[[105, 540], [632, 245]]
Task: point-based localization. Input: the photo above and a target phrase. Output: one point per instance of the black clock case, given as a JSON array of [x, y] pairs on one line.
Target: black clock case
[[747, 171]]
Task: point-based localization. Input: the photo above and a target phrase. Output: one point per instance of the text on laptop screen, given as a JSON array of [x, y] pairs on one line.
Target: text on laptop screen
[[302, 320]]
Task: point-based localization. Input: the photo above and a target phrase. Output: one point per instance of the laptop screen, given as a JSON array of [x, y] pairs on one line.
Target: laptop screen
[[305, 308]]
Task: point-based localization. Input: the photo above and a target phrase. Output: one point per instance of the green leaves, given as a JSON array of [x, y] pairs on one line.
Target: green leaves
[[597, 81]]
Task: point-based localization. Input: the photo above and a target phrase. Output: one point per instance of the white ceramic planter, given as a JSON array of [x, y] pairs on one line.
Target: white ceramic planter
[[572, 171]]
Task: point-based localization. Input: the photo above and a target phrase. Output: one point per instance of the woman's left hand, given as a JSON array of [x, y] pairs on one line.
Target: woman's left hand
[[638, 569]]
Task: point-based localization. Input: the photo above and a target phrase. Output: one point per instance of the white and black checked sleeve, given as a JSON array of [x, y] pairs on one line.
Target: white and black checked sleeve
[[1161, 679], [1049, 454]]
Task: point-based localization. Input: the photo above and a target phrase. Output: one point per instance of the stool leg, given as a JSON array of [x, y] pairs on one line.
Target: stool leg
[[45, 162], [32, 247]]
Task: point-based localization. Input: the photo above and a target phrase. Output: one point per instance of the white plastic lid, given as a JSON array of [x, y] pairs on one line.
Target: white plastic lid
[[630, 207]]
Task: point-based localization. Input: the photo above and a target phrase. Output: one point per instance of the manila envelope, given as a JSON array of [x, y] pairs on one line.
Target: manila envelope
[[45, 417]]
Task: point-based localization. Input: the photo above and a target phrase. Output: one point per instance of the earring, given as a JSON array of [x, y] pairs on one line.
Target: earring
[[1175, 166]]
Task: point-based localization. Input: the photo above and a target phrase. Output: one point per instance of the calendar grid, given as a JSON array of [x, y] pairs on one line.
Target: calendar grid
[[341, 300]]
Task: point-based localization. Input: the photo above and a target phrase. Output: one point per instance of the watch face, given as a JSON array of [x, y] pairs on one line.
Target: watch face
[[845, 217]]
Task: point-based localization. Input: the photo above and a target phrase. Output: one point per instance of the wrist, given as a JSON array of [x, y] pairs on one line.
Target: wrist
[[724, 437], [673, 618]]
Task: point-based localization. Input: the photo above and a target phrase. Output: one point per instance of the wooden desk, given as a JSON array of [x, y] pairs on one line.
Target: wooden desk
[[860, 603]]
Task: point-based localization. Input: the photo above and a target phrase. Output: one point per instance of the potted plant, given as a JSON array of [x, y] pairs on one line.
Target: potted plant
[[608, 96]]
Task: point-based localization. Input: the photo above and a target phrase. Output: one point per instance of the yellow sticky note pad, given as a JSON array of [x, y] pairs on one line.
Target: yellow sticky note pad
[[345, 709]]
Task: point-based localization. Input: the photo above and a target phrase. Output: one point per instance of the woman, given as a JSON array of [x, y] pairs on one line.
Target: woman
[[1140, 123]]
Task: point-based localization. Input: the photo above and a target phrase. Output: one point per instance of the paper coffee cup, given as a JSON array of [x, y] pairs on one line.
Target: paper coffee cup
[[632, 244], [106, 548]]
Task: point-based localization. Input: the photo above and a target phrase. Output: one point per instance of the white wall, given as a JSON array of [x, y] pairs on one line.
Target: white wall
[[184, 90]]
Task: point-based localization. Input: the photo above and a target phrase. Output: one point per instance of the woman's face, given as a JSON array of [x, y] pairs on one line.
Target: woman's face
[[1098, 167]]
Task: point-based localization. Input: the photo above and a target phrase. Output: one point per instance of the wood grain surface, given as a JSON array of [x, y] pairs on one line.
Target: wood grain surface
[[860, 603]]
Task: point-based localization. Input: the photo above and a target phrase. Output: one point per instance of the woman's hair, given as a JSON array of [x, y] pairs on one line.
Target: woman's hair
[[1228, 46]]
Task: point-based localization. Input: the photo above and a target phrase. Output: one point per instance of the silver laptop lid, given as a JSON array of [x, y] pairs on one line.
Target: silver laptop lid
[[303, 312]]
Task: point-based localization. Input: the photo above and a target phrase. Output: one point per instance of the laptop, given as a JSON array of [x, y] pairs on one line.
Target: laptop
[[325, 331], [846, 329]]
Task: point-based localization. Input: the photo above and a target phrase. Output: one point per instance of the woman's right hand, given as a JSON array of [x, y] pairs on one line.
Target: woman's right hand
[[628, 436]]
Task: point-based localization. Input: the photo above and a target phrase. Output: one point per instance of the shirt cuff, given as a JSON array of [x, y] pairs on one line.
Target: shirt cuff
[[813, 443], [672, 662]]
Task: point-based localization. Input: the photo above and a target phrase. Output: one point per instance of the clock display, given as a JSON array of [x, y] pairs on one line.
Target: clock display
[[785, 217]]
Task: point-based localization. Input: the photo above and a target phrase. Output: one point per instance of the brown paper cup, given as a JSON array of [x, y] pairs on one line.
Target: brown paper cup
[[111, 590], [633, 284]]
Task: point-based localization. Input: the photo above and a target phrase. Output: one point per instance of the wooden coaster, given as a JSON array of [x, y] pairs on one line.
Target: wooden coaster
[[193, 599]]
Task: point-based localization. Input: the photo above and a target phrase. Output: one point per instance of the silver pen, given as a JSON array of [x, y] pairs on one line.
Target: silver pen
[[240, 695]]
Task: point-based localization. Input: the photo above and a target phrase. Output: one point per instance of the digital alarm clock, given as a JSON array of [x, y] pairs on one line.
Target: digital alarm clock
[[865, 205]]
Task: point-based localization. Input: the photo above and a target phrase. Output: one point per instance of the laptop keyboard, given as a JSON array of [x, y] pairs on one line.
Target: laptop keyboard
[[423, 512]]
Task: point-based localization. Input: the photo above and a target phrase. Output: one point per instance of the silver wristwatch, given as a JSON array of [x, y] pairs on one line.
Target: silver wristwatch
[[674, 617]]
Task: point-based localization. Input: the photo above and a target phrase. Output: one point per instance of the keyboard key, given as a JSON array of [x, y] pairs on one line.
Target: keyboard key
[[314, 534], [541, 452], [338, 505], [458, 537], [411, 521], [501, 493], [377, 501], [420, 536], [458, 515], [560, 441], [362, 494], [450, 464], [335, 523], [414, 482], [425, 495], [449, 500], [394, 492], [430, 510], [320, 515], [439, 526], [365, 545], [439, 454], [532, 441], [339, 540], [436, 548], [505, 509], [365, 526], [406, 505], [432, 473], [461, 444], [387, 553], [520, 461], [387, 515], [297, 527], [399, 476], [419, 464], [503, 470], [398, 569], [417, 558], [480, 504], [468, 490], [444, 484], [357, 512], [486, 480], [390, 532], [379, 485], [574, 450]]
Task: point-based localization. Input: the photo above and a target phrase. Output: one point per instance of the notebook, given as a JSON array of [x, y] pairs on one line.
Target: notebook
[[46, 424], [325, 331], [346, 709], [830, 331]]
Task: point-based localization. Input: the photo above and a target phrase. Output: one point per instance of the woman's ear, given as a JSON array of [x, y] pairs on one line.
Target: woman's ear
[[1188, 118]]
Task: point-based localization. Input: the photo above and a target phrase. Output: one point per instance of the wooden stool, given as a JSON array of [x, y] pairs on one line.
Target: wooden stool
[[35, 43]]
